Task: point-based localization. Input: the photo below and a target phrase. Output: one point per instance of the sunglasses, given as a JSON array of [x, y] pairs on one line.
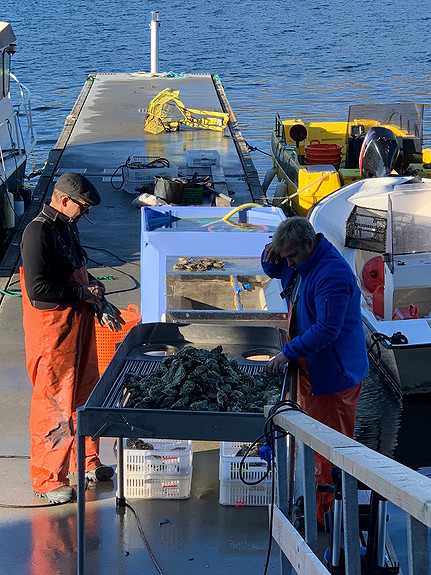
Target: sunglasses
[[84, 207]]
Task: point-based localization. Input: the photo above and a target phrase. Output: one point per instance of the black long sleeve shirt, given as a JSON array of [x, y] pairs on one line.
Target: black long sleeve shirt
[[51, 251]]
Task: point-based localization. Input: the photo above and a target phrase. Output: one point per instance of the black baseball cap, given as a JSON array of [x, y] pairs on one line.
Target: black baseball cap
[[78, 186]]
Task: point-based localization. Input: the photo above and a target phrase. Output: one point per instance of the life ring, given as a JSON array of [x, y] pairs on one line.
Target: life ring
[[373, 274]]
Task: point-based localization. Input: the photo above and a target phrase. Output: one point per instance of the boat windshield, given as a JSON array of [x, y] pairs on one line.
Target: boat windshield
[[410, 219], [407, 119]]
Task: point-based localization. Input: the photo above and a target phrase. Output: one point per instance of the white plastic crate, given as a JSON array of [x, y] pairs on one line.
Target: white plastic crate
[[136, 174], [202, 158], [232, 490], [237, 493], [169, 457], [138, 486]]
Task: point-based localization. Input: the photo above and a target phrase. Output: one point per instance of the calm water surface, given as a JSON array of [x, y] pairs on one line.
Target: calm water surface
[[308, 60]]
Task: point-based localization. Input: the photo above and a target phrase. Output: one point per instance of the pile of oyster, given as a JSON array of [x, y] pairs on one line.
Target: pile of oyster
[[201, 380], [198, 264]]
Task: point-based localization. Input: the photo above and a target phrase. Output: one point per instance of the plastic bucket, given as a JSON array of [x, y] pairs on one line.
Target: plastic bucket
[[409, 312], [107, 340], [317, 153], [169, 190]]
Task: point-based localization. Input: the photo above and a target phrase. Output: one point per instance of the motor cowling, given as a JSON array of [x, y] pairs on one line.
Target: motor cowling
[[379, 153]]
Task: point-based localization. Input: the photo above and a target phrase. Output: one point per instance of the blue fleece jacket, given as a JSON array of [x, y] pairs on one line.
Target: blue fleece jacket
[[332, 339]]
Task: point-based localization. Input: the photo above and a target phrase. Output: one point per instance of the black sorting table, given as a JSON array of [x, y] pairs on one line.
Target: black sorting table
[[105, 414]]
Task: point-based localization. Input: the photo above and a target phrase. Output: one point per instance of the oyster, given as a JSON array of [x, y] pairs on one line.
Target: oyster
[[183, 261], [198, 264], [198, 379], [138, 444], [218, 264], [253, 452]]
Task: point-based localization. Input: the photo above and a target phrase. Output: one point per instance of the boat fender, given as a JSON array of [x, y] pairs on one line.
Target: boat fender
[[373, 274], [19, 206], [379, 301], [269, 176], [8, 213], [280, 193]]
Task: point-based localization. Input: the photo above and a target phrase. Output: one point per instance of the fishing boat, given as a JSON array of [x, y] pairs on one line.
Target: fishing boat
[[17, 136], [313, 159], [382, 227]]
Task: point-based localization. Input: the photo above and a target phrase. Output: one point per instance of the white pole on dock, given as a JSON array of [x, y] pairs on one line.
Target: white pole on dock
[[154, 26]]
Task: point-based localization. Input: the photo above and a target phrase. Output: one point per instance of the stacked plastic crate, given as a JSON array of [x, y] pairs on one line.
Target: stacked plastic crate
[[232, 489], [158, 468]]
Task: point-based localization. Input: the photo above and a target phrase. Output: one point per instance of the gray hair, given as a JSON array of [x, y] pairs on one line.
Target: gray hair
[[295, 229], [57, 195]]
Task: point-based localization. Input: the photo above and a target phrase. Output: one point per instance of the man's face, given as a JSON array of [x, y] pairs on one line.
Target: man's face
[[76, 208], [296, 254]]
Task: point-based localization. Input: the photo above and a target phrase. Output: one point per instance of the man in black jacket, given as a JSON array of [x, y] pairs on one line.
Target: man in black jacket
[[58, 318]]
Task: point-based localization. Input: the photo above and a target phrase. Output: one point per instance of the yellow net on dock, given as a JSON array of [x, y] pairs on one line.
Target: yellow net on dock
[[166, 113]]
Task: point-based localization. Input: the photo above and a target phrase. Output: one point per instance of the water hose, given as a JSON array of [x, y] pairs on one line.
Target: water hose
[[241, 226], [238, 209]]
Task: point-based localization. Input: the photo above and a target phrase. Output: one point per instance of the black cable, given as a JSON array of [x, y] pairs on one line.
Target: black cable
[[271, 520], [251, 148], [396, 338], [122, 176], [136, 283], [134, 280], [153, 163], [269, 436], [254, 149], [11, 506], [110, 253], [144, 538], [242, 466], [271, 433]]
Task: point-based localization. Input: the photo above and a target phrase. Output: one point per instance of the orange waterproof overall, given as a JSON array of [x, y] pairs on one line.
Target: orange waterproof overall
[[336, 410], [61, 360]]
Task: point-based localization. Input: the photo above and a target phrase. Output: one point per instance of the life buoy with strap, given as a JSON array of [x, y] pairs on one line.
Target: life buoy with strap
[[373, 274]]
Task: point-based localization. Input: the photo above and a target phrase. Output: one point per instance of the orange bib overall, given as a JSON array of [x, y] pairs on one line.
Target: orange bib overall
[[61, 361]]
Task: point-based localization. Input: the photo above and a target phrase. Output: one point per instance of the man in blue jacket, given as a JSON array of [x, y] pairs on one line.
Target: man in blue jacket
[[326, 336]]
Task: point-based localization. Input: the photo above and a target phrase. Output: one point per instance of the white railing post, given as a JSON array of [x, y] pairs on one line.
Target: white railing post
[[417, 547], [351, 524], [154, 26]]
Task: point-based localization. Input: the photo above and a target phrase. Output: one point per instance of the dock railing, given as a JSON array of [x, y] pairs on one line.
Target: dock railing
[[406, 488]]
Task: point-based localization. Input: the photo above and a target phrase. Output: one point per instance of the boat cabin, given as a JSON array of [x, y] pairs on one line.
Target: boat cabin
[[7, 49], [392, 237]]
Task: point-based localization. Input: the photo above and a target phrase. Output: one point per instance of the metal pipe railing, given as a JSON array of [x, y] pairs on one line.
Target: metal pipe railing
[[26, 103]]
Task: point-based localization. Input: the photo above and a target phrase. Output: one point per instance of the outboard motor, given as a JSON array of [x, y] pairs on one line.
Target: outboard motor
[[379, 152]]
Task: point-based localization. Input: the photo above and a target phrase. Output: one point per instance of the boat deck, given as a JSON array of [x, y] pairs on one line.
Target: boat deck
[[197, 535]]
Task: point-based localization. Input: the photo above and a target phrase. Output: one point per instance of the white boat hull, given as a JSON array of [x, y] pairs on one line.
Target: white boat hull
[[407, 364]]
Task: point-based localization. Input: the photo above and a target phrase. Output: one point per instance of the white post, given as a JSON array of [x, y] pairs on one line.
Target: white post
[[154, 26]]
